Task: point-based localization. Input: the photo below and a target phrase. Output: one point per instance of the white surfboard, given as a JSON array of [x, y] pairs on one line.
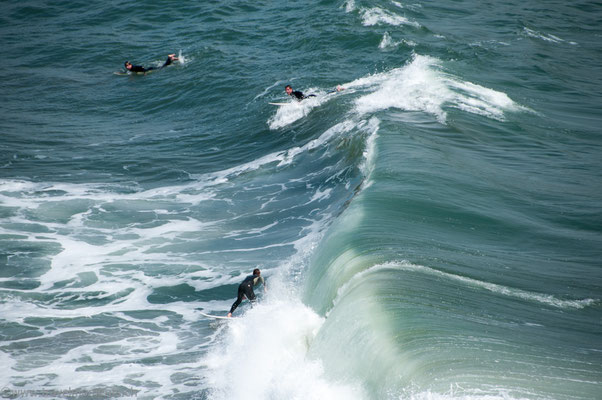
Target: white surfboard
[[214, 316], [282, 104], [122, 73]]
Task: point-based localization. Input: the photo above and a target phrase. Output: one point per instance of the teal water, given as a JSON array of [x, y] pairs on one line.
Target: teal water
[[433, 231]]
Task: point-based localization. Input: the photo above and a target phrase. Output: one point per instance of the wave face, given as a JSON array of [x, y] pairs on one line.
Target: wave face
[[432, 231]]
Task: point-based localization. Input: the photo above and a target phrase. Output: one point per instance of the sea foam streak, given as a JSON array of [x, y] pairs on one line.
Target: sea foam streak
[[546, 299]]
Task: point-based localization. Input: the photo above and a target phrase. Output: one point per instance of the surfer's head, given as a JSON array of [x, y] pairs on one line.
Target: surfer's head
[[288, 89], [127, 65], [256, 272]]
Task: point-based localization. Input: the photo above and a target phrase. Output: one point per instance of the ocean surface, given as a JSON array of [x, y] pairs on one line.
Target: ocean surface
[[433, 231]]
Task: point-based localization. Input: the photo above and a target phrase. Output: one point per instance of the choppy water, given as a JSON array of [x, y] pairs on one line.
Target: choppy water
[[431, 232]]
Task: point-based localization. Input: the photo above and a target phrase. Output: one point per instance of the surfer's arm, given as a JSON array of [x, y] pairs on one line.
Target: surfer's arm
[[170, 58], [260, 280]]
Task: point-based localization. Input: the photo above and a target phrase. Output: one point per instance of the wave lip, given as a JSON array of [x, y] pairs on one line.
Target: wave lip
[[422, 85]]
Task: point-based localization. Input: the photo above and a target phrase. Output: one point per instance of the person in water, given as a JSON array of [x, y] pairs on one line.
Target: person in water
[[138, 68], [300, 96], [245, 289]]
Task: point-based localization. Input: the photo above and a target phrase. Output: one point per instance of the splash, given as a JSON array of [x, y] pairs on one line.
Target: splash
[[266, 351]]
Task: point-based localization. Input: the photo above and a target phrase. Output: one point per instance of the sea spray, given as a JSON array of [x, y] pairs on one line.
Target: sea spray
[[265, 352]]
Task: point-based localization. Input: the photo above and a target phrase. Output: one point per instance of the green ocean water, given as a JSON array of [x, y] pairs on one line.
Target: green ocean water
[[432, 231]]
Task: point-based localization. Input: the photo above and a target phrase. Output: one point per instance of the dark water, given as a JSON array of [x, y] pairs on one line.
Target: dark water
[[433, 231]]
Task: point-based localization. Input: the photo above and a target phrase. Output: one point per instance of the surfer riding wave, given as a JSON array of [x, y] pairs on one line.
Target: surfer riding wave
[[245, 289]]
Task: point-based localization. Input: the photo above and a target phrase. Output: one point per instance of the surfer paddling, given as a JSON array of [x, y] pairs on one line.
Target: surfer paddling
[[297, 95], [138, 68], [245, 289]]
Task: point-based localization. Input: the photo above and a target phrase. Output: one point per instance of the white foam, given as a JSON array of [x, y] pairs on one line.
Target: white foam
[[266, 350], [416, 87], [122, 355], [378, 16], [481, 100], [421, 85]]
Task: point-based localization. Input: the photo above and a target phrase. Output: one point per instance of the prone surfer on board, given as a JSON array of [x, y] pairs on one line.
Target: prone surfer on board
[[300, 96], [245, 289], [138, 68]]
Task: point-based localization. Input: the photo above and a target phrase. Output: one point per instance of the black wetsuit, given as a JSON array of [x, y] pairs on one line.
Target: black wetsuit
[[167, 62], [300, 96], [246, 289], [139, 68]]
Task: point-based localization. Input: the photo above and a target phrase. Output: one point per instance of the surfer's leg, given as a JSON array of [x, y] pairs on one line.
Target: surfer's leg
[[239, 299]]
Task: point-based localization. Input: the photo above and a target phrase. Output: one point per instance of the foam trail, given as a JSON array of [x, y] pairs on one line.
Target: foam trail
[[545, 37], [546, 299]]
